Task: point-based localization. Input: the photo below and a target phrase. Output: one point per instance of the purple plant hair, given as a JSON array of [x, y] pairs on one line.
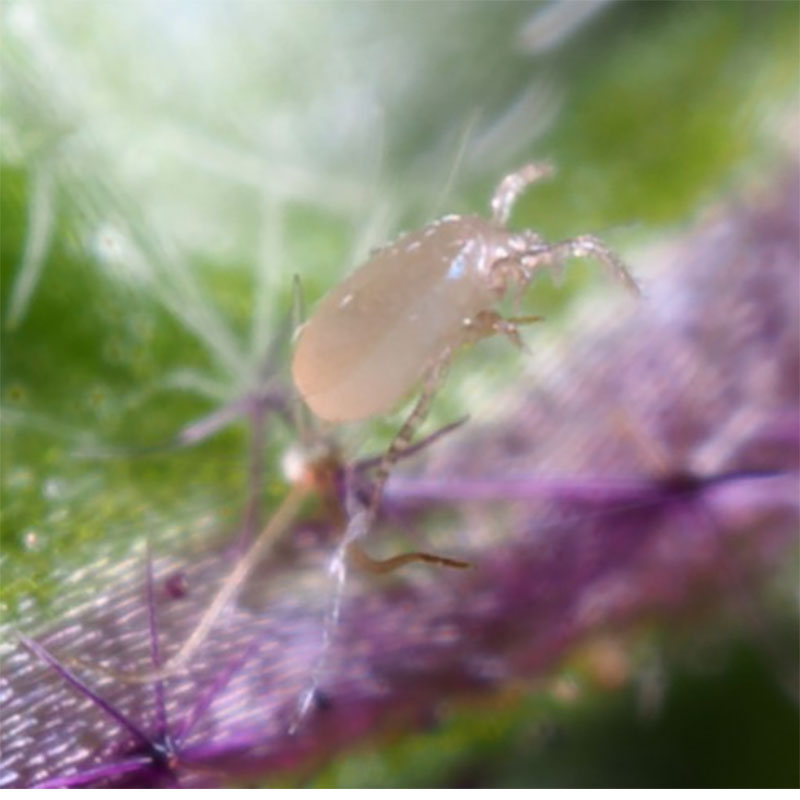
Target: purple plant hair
[[654, 467]]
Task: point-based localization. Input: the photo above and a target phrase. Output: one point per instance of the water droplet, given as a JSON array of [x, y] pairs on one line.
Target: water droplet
[[33, 540], [109, 244], [53, 489]]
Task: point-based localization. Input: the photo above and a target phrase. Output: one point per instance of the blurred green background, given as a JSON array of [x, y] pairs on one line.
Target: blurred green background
[[168, 166]]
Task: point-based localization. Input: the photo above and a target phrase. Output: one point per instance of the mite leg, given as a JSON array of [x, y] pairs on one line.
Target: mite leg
[[489, 323], [359, 558], [427, 441], [400, 444], [513, 185], [554, 255], [483, 324], [402, 439]]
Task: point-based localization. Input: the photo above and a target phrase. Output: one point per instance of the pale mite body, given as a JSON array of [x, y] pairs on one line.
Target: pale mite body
[[396, 322], [376, 335], [392, 325], [371, 339]]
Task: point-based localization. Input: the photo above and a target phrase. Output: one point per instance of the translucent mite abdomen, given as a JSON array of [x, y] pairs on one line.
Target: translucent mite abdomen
[[403, 314], [372, 337]]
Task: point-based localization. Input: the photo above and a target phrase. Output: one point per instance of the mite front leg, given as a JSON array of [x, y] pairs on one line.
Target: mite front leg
[[554, 255], [513, 185], [488, 323]]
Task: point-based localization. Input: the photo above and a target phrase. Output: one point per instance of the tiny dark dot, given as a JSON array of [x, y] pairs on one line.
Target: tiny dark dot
[[177, 585], [16, 394], [322, 701]]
